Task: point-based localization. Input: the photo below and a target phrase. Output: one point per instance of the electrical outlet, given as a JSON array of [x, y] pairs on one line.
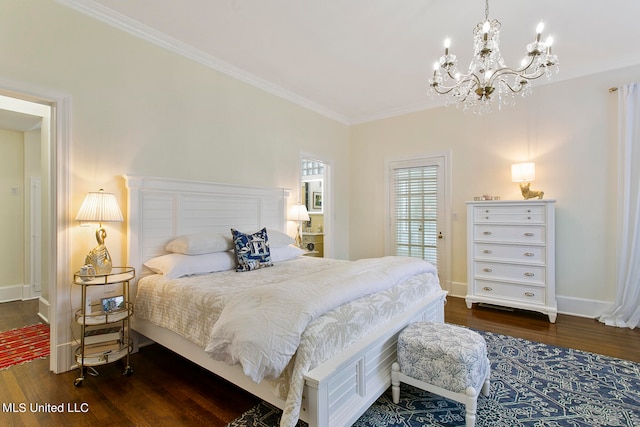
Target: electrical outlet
[[14, 191]]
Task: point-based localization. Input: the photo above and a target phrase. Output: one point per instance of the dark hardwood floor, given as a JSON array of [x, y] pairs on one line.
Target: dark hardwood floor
[[568, 331], [166, 389]]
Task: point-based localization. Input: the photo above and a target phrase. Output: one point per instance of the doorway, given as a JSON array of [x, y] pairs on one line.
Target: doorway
[[315, 195], [419, 208]]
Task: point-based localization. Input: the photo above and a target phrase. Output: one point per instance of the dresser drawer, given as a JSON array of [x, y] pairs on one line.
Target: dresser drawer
[[517, 253], [509, 233], [534, 274], [523, 293], [509, 214]]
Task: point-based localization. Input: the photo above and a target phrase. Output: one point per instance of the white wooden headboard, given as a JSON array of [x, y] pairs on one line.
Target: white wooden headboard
[[160, 209]]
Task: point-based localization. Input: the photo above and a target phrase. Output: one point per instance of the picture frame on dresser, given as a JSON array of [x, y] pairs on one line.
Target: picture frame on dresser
[[511, 255]]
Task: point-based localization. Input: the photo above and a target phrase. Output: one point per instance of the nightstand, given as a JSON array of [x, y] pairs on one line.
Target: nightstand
[[314, 243], [104, 333]]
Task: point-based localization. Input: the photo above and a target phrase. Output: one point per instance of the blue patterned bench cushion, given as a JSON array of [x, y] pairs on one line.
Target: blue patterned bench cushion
[[447, 356]]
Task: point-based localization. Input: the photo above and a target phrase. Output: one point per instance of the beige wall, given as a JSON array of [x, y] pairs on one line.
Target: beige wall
[[568, 128]]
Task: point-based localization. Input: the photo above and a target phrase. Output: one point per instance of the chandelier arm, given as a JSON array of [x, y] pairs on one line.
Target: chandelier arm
[[531, 61], [442, 92], [458, 82], [509, 71], [506, 83]]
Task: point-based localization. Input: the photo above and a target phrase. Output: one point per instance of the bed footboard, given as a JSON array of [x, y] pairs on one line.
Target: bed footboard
[[340, 390], [336, 392]]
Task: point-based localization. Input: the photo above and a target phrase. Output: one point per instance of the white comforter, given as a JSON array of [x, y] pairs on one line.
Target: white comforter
[[261, 328]]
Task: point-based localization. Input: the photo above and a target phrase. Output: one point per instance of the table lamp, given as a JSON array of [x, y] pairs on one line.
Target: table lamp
[[524, 173], [100, 207], [298, 213]]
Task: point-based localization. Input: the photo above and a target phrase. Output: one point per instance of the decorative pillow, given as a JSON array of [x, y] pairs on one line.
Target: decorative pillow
[[200, 243], [179, 265], [252, 250], [284, 253]]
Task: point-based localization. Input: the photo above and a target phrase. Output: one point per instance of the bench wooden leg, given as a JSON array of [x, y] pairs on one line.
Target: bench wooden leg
[[395, 382]]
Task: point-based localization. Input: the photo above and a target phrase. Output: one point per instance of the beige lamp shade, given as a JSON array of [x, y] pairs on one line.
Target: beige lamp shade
[[523, 172], [100, 207], [298, 213]]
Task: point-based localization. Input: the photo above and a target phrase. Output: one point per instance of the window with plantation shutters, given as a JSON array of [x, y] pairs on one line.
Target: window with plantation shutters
[[415, 205]]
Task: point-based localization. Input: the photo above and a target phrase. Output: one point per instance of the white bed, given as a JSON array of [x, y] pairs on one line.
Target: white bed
[[335, 392]]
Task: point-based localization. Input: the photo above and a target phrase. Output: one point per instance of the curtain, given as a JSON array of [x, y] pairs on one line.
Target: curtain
[[626, 310]]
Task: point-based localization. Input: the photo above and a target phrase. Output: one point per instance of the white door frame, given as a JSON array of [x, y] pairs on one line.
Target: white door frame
[[23, 97], [35, 237]]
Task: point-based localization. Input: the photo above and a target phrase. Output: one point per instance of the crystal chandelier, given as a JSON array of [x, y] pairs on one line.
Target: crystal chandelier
[[488, 77]]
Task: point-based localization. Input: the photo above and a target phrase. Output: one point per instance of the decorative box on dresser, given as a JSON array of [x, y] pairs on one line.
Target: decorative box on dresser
[[511, 254]]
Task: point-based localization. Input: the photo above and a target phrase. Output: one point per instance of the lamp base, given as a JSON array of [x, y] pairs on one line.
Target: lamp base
[[100, 258], [530, 194]]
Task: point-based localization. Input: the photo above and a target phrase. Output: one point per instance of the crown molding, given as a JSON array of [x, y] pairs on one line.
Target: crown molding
[[137, 29]]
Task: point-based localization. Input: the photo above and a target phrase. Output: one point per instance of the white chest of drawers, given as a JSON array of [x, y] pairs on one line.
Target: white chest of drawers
[[511, 255]]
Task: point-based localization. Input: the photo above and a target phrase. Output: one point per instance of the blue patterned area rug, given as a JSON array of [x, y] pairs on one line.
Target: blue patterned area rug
[[532, 384]]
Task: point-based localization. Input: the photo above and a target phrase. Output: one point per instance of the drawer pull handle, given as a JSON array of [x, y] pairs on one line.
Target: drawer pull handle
[[528, 217], [528, 234], [487, 270], [487, 233], [488, 251], [486, 217], [487, 288], [529, 274], [529, 294], [487, 211], [529, 254], [529, 210]]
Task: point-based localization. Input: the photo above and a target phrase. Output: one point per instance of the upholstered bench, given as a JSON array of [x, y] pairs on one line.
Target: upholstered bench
[[443, 359]]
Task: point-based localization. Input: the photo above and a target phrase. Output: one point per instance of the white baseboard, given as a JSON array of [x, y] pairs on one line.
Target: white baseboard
[[571, 306], [11, 293], [16, 293], [581, 307], [458, 289], [44, 309]]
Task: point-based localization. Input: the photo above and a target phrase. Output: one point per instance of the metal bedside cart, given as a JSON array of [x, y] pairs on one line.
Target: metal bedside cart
[[91, 354]]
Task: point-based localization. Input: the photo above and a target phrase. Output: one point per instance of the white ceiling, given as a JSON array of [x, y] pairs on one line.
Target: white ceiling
[[19, 122], [358, 60]]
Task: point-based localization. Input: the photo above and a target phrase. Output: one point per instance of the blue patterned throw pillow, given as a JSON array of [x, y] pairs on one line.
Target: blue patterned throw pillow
[[252, 250]]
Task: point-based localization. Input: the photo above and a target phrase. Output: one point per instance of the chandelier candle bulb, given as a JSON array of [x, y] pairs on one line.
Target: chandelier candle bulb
[[539, 29]]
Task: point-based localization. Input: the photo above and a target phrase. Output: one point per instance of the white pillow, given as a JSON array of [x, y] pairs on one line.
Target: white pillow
[[179, 265], [285, 253], [278, 239], [200, 243]]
